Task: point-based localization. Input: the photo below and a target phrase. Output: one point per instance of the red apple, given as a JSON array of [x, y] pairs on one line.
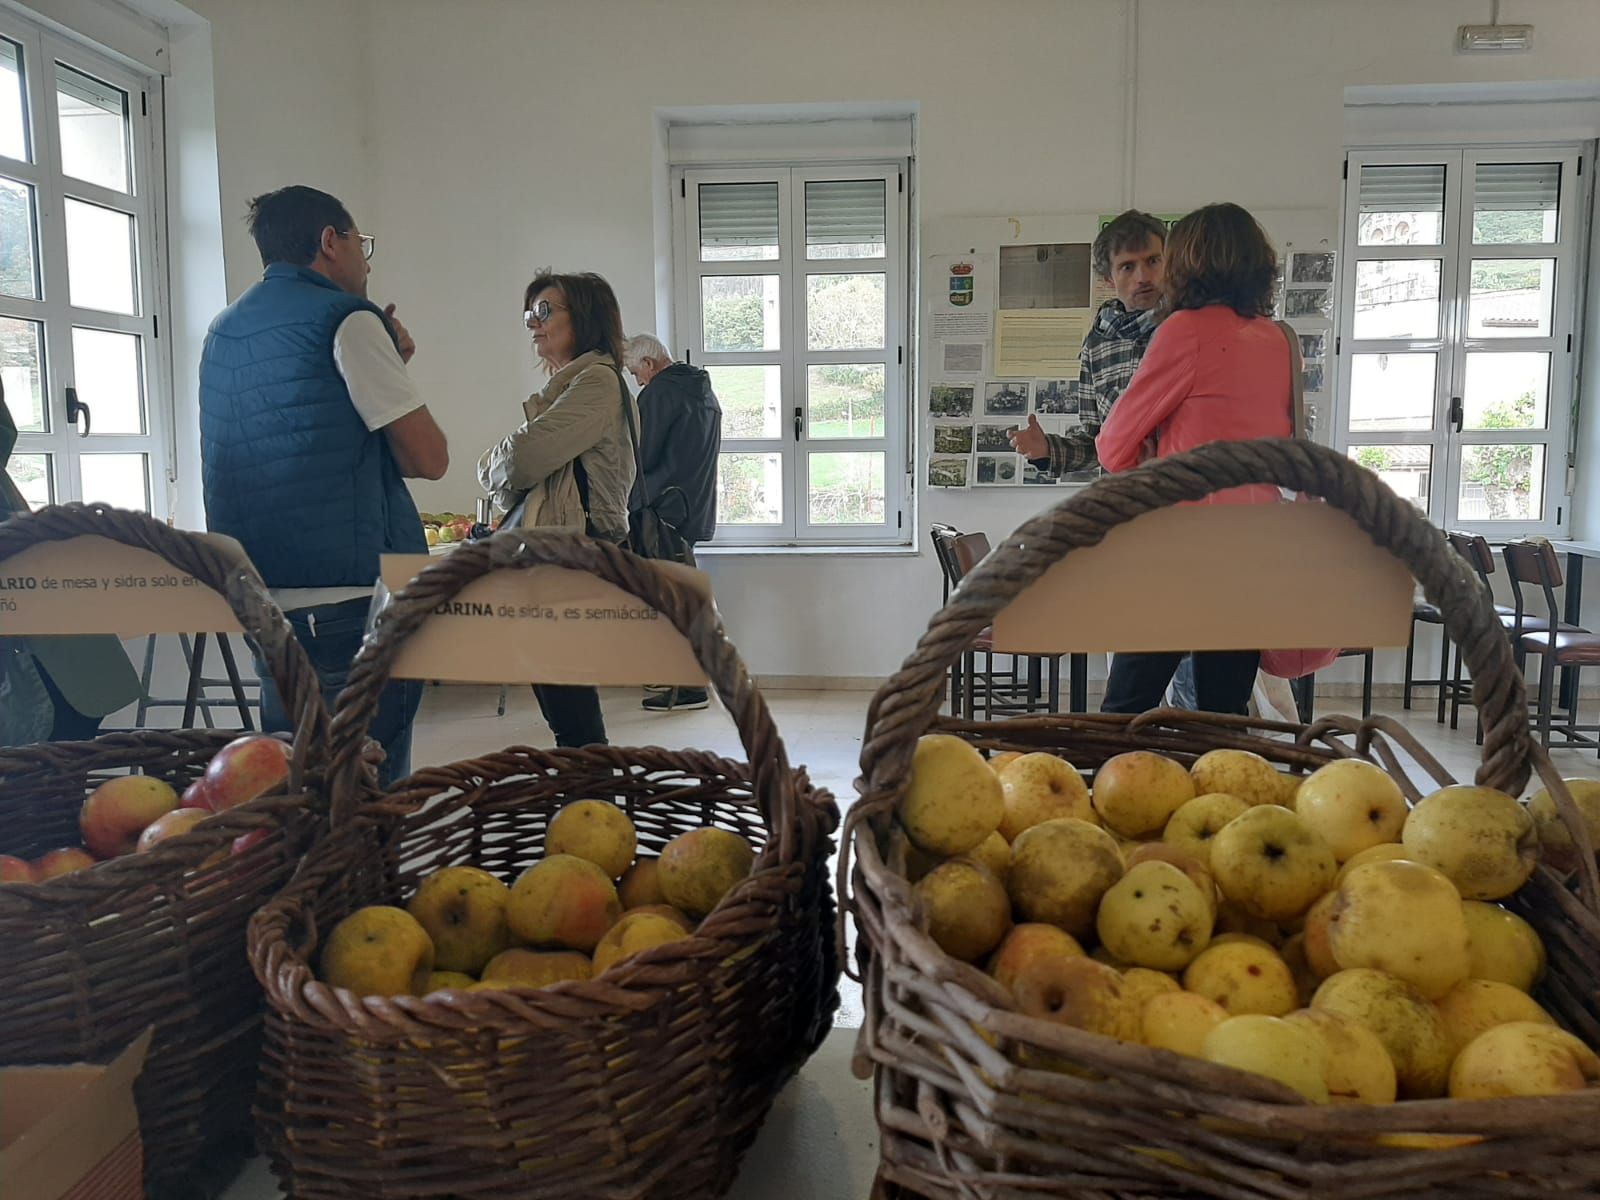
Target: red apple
[[243, 843], [196, 795], [15, 870], [172, 824], [245, 768], [61, 862], [117, 811]]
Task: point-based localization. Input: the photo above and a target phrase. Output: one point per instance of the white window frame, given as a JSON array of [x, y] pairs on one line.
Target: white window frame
[[794, 443], [41, 49], [1452, 344]]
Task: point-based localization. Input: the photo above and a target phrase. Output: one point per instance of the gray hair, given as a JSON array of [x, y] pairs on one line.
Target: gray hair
[[642, 346]]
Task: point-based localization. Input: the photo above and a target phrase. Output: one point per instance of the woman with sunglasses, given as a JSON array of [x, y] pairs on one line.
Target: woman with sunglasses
[[570, 464]]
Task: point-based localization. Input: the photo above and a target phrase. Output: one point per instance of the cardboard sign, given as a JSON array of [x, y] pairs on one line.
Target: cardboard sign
[[546, 625], [91, 584], [1217, 577]]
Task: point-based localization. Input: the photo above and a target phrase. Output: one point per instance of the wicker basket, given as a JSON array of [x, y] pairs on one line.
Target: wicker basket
[[156, 939], [647, 1082], [960, 1118]]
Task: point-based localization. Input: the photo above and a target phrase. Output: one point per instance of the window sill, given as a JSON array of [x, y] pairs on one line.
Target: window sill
[[737, 551]]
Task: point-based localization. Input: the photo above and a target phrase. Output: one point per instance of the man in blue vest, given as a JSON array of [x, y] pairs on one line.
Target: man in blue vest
[[309, 427]]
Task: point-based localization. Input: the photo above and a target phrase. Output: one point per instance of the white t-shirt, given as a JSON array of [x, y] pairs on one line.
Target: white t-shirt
[[382, 393]]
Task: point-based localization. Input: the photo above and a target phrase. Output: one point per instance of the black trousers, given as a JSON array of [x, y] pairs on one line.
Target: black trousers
[[1223, 680], [573, 714]]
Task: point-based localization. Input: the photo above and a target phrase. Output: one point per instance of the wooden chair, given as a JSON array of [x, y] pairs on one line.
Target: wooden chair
[[1016, 690], [1534, 564]]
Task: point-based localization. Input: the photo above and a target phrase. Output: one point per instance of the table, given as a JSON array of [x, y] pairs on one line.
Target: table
[[1572, 607]]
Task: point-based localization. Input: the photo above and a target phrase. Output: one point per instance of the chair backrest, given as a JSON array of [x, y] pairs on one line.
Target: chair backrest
[[1536, 564], [944, 537], [1473, 547], [970, 550]]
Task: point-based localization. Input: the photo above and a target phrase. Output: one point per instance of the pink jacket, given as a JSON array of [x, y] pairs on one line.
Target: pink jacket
[[1209, 375]]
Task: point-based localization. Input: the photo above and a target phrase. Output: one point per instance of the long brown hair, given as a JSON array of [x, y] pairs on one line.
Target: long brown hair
[[592, 307], [1219, 254]]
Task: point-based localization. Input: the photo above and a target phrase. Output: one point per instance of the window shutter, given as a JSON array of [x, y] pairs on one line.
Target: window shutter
[[845, 212], [738, 214]]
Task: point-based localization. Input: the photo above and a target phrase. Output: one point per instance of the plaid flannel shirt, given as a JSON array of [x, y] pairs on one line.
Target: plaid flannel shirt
[[1106, 364]]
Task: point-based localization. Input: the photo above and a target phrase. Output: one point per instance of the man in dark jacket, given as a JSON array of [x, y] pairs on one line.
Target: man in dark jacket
[[674, 501]]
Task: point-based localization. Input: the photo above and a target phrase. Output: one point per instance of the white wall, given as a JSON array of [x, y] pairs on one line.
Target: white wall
[[484, 138]]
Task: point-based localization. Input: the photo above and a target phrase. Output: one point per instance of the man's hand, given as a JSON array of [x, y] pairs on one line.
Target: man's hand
[[401, 333], [1030, 442]]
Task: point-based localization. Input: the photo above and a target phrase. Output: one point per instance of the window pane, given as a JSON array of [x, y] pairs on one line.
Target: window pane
[[1511, 297], [13, 107], [1501, 483], [739, 312], [1515, 203], [19, 258], [100, 257], [94, 129], [1397, 298], [1406, 469], [846, 489], [1402, 206], [846, 219], [22, 373], [121, 480], [845, 312], [1392, 391], [750, 489], [751, 399], [845, 401], [738, 221], [109, 379], [1507, 391], [34, 479]]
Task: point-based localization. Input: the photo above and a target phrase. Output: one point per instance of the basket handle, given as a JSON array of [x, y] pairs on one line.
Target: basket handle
[[227, 572], [906, 705], [518, 550]]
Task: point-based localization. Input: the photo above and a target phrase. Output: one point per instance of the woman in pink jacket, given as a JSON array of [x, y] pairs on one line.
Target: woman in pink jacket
[[1218, 369]]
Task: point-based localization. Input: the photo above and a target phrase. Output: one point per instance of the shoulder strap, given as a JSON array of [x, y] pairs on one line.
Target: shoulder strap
[[1297, 380]]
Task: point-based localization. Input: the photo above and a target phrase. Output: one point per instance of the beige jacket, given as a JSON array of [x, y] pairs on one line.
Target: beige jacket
[[578, 415]]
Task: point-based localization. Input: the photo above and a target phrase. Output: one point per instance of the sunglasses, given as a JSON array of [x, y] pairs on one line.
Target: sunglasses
[[539, 314]]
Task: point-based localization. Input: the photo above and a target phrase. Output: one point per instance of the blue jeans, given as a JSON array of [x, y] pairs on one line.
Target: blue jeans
[[331, 635]]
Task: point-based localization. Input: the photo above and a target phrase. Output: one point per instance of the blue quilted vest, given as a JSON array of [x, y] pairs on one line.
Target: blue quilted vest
[[290, 469]]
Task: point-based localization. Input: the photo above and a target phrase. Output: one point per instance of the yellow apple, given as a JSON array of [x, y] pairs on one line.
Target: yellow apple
[[1027, 942], [640, 884], [1038, 788], [1074, 991], [1317, 943], [464, 911], [1155, 916], [447, 981], [636, 931], [1179, 1021], [1197, 822], [1237, 773], [1243, 978], [1178, 857], [1476, 1006], [1289, 789], [1059, 872], [596, 830], [521, 967], [1233, 919], [702, 866], [1482, 839], [953, 799], [1403, 918], [1004, 759], [678, 917], [1560, 851], [563, 901], [1136, 793], [1387, 852], [1306, 981], [1360, 1070], [967, 910], [378, 951], [1523, 1058], [1406, 1022], [118, 810], [1139, 984], [1272, 1047], [994, 852], [1353, 805], [1502, 946], [1270, 863]]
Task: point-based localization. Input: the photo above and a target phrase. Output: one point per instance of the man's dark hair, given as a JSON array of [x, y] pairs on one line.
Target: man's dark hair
[[1130, 231], [1219, 254], [287, 224], [592, 306]]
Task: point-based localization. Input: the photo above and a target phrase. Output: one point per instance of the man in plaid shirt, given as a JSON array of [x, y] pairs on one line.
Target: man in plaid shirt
[[1128, 254]]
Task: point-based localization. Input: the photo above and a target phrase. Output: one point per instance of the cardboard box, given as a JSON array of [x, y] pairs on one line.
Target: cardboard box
[[72, 1132]]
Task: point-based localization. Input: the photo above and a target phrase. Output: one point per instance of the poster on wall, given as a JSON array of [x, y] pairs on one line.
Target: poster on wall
[[1040, 342], [1055, 397], [947, 472], [1044, 308], [951, 399], [1006, 398], [960, 296], [952, 439], [1308, 303], [997, 470]]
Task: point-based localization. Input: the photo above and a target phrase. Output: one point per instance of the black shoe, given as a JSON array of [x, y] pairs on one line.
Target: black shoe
[[676, 699]]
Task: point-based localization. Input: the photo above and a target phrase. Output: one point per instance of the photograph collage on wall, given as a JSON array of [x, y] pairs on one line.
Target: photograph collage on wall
[[972, 424], [1308, 299]]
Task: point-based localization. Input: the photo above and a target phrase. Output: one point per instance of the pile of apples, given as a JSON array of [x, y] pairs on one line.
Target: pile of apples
[[1313, 929], [446, 528], [589, 903], [130, 814]]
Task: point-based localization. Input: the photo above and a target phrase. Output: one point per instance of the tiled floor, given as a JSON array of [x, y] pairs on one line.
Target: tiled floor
[[820, 1142]]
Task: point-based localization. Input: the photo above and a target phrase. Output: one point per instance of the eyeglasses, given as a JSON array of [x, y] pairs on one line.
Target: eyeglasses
[[368, 243], [539, 314]]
